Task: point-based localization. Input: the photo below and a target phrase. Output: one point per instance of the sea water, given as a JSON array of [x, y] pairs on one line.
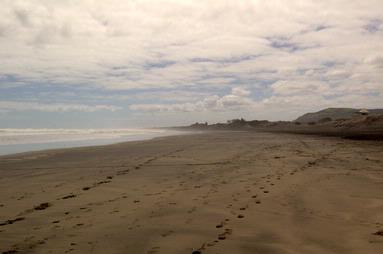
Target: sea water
[[24, 140]]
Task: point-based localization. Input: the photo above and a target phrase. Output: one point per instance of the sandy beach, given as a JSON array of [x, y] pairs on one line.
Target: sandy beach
[[218, 192]]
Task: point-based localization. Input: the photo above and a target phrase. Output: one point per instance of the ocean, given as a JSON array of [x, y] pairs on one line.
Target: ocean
[[25, 140]]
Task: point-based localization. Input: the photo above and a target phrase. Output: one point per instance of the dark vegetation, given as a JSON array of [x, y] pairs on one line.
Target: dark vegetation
[[343, 122]]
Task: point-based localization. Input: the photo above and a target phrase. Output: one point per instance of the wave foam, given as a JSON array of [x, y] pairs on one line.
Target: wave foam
[[32, 136]]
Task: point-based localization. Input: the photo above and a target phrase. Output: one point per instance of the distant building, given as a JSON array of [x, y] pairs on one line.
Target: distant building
[[233, 121], [363, 112], [199, 125]]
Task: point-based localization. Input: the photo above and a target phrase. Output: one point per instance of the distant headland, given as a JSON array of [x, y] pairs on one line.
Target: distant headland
[[345, 122]]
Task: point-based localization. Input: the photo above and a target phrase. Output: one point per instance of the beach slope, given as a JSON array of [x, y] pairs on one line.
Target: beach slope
[[219, 192]]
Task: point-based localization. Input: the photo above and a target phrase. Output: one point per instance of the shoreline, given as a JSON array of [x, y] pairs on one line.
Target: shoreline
[[87, 143], [371, 135], [217, 192]]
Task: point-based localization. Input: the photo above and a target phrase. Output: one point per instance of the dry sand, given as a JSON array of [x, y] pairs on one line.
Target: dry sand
[[222, 192]]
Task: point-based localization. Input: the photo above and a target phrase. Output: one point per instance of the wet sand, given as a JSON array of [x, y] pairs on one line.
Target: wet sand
[[220, 192]]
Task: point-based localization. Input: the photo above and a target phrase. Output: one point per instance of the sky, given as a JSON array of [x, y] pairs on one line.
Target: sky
[[141, 63]]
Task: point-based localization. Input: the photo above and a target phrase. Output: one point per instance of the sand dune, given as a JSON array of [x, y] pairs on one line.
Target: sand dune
[[220, 192]]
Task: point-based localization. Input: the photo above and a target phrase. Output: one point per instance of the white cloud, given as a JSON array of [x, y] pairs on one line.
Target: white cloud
[[6, 106], [42, 38], [300, 87], [288, 50], [235, 101], [240, 91], [376, 61]]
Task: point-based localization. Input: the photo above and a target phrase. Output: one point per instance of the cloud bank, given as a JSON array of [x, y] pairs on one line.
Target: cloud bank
[[271, 55], [53, 107]]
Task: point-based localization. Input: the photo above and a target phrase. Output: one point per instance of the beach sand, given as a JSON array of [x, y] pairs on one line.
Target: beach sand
[[219, 192]]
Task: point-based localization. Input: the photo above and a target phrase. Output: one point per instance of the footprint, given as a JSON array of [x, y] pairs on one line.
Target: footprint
[[211, 244], [219, 225], [153, 250], [10, 251], [223, 235], [199, 250], [69, 196], [122, 172], [102, 182], [42, 206], [12, 221], [167, 233]]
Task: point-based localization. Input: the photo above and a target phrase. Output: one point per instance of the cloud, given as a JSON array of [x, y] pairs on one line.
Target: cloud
[[300, 87], [289, 100], [172, 44], [376, 61], [236, 100], [155, 52], [374, 25], [7, 106], [240, 91]]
